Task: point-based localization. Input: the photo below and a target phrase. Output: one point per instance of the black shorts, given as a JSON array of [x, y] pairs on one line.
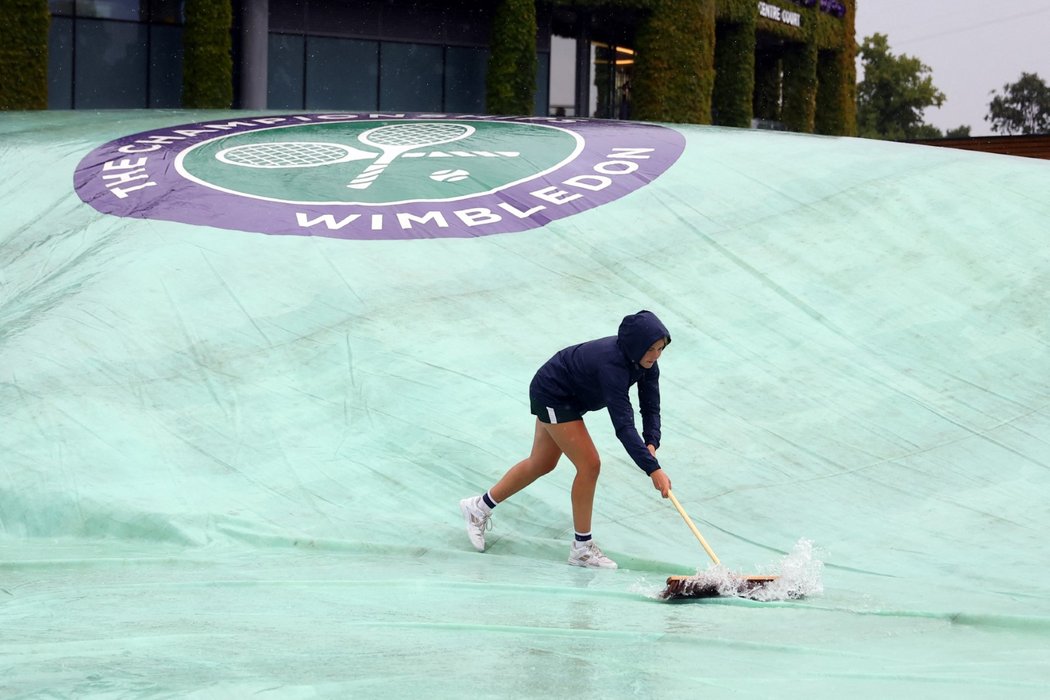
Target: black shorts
[[556, 414]]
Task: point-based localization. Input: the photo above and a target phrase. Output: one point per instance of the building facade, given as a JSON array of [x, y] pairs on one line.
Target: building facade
[[782, 63]]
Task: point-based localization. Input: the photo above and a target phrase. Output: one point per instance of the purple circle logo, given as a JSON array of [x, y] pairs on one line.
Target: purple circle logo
[[375, 176]]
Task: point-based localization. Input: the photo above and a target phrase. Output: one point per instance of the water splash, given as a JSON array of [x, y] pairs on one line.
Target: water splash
[[799, 575]]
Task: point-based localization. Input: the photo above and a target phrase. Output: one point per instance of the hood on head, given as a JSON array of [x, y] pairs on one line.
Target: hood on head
[[638, 332]]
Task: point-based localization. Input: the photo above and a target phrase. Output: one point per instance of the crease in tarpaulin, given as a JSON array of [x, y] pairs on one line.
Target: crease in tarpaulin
[[222, 445]]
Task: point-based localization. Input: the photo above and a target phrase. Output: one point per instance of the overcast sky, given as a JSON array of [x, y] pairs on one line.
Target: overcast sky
[[972, 46]]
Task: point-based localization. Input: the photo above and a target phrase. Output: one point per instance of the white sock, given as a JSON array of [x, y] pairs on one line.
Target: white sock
[[484, 505]]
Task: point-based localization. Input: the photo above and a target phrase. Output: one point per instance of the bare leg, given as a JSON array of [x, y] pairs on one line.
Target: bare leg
[[542, 460], [573, 440]]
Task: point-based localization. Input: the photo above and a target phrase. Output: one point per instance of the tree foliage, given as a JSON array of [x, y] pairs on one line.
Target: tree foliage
[[893, 94], [1022, 108]]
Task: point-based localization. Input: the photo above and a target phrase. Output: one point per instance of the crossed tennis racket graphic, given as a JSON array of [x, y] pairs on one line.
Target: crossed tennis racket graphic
[[392, 140]]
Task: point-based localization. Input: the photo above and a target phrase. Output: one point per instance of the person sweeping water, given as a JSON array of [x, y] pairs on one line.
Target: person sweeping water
[[581, 378]]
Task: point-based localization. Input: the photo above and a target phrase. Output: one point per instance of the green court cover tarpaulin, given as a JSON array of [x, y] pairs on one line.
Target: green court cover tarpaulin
[[250, 363]]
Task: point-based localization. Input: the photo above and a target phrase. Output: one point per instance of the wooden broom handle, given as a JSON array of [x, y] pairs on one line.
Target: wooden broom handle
[[685, 517]]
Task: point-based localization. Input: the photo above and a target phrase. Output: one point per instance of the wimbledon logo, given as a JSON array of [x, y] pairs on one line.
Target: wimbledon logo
[[375, 176]]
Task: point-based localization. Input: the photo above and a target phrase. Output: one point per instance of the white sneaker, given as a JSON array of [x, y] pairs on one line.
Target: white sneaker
[[478, 520], [588, 555]]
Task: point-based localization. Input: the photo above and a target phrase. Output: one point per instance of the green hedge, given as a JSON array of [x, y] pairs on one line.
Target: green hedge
[[836, 110], [732, 103], [686, 72], [674, 71], [836, 101], [510, 83], [736, 11], [800, 87], [23, 54], [207, 64], [696, 61]]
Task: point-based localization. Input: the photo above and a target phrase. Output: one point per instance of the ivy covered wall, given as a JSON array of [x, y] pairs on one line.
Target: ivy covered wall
[[207, 69], [23, 54], [800, 87], [510, 83], [698, 61], [732, 103], [810, 85], [836, 110], [674, 71]]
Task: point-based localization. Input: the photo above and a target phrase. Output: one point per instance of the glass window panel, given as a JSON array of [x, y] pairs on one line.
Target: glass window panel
[[167, 11], [544, 34], [284, 89], [423, 22], [465, 79], [112, 9], [562, 71], [360, 18], [289, 17], [410, 77], [541, 99], [110, 64], [468, 22], [63, 8], [165, 66], [341, 74], [602, 77], [60, 64]]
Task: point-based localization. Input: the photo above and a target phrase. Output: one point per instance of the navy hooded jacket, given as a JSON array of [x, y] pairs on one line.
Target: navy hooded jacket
[[598, 374]]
